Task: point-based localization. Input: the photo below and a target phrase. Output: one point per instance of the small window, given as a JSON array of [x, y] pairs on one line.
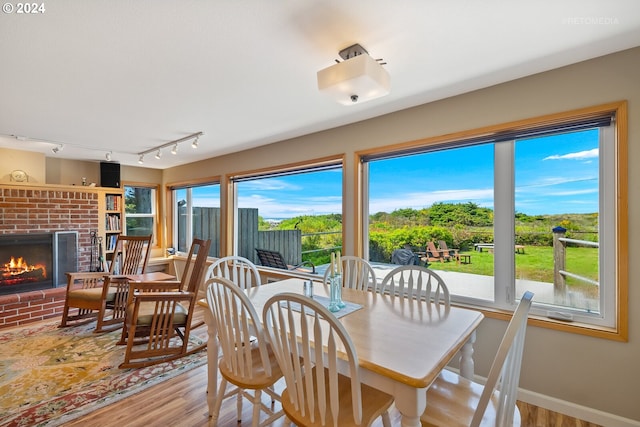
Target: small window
[[140, 211]]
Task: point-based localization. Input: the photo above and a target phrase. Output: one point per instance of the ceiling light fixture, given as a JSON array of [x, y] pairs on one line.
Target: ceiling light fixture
[[174, 150], [57, 148], [108, 156], [357, 79]]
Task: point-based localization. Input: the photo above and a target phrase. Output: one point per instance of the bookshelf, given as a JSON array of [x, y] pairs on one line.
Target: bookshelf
[[112, 215]]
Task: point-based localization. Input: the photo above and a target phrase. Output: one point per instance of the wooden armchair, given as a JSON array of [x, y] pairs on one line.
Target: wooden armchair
[[102, 295], [158, 315]]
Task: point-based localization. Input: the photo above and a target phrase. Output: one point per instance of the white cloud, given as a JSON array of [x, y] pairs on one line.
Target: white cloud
[[580, 155]]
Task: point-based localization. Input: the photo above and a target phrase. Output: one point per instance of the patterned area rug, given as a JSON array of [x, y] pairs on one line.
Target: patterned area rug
[[49, 376]]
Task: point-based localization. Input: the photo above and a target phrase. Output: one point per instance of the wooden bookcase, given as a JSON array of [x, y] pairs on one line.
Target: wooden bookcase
[[111, 214]]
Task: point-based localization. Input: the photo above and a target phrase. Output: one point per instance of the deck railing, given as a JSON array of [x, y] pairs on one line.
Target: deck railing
[[560, 273]]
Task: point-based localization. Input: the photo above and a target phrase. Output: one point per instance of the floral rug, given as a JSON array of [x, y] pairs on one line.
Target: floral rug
[[49, 376]]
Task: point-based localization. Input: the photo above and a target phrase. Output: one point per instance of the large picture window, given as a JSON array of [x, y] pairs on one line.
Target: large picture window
[[527, 208], [296, 211]]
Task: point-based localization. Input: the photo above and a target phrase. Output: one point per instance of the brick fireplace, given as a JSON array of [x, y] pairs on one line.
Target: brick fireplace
[[27, 210]]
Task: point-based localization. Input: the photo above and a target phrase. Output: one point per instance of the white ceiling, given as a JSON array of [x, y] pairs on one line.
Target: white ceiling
[[128, 76]]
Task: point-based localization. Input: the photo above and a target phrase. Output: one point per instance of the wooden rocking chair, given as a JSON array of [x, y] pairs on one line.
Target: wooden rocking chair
[[94, 294], [158, 315]]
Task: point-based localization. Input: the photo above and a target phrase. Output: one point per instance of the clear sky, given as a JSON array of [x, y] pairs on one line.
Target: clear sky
[[554, 175]]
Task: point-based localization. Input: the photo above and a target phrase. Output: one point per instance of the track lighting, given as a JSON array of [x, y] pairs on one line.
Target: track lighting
[[108, 156], [173, 144], [141, 159], [56, 149]]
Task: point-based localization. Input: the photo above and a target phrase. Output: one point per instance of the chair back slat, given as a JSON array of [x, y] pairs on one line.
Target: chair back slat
[[239, 270], [357, 273], [414, 281], [130, 255]]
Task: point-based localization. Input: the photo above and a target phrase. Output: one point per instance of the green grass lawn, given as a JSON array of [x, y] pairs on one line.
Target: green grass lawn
[[536, 263]]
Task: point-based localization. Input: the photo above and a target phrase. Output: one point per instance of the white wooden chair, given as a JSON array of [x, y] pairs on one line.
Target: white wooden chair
[[247, 363], [456, 401], [239, 270], [316, 394], [357, 273], [415, 281]]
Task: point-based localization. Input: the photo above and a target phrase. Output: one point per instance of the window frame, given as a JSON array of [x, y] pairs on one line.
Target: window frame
[[616, 180], [155, 208], [308, 166]]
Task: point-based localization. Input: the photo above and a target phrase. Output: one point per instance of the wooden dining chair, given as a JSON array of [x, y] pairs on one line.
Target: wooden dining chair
[[158, 315], [357, 273], [456, 401], [239, 270], [415, 281], [315, 393], [247, 360], [102, 295]]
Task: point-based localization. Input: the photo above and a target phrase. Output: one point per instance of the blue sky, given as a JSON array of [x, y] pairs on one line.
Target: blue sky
[[554, 175]]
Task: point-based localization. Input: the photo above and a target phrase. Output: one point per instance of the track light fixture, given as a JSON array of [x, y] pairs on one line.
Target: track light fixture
[[174, 144], [57, 148], [108, 156]]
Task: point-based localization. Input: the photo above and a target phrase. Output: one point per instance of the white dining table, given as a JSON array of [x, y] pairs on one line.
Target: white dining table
[[402, 343]]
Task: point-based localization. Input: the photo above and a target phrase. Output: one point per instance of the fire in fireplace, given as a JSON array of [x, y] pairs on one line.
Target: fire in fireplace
[[36, 261], [18, 271]]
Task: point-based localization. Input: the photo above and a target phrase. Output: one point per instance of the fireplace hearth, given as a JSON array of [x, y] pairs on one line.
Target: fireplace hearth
[[37, 261]]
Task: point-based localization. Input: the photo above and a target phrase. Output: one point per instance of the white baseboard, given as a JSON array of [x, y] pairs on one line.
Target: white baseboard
[[577, 411]]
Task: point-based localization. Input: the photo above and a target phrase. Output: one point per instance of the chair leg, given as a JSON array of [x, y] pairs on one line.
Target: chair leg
[[386, 420], [257, 402], [218, 403], [239, 404]]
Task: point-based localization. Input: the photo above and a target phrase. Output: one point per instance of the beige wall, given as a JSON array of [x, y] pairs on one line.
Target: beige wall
[[592, 372], [33, 164]]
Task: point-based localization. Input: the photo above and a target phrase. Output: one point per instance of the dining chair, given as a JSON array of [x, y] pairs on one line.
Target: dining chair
[[158, 315], [239, 270], [415, 281], [456, 401], [246, 363], [102, 295], [357, 273], [315, 393]]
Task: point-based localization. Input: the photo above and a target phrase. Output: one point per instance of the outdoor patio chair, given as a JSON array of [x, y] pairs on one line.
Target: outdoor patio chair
[[435, 254], [456, 401], [103, 295], [442, 246], [274, 259]]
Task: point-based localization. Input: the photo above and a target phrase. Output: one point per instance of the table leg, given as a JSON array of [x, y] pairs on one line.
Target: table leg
[[212, 360], [467, 366], [410, 402]]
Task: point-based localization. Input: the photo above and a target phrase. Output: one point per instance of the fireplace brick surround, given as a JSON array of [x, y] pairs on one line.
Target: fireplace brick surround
[[40, 209]]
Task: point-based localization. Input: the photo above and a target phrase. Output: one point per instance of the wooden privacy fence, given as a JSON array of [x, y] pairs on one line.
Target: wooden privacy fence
[[206, 225], [559, 262]]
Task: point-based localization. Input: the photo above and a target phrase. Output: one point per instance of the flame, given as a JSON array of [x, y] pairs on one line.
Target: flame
[[20, 266]]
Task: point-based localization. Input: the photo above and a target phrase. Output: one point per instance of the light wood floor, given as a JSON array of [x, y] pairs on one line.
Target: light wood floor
[[181, 401]]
